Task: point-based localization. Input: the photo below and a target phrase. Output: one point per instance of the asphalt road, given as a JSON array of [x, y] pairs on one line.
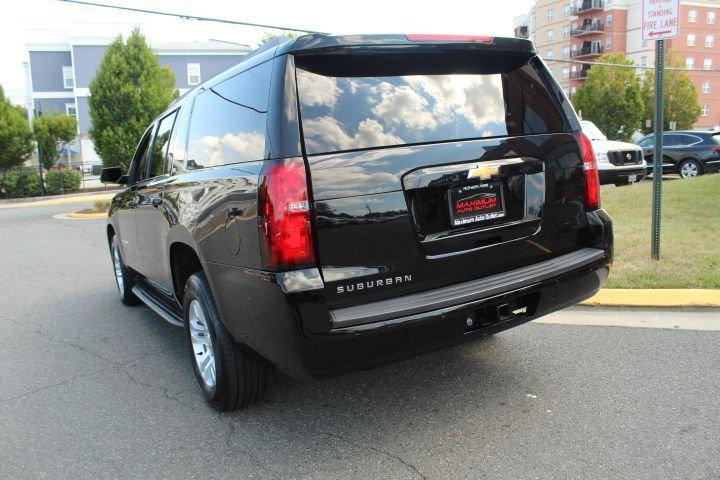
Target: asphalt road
[[92, 389]]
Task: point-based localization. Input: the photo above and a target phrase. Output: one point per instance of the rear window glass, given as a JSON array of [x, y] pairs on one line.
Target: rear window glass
[[430, 103]]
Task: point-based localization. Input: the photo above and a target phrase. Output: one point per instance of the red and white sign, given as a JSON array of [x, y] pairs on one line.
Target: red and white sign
[[661, 19]]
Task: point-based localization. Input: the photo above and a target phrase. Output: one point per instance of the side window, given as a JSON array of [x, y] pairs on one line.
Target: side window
[[228, 123], [178, 144], [647, 142], [689, 139], [672, 140], [139, 162], [156, 157]]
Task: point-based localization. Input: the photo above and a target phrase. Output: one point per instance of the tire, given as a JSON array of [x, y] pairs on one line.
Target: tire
[[229, 377], [689, 169], [123, 275]]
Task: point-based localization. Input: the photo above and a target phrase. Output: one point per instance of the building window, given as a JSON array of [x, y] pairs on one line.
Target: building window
[[550, 54], [609, 20], [193, 74], [566, 52], [549, 35], [566, 73], [70, 110], [691, 40], [566, 31], [706, 87], [566, 91], [710, 41], [706, 110], [608, 43], [68, 77], [643, 61], [707, 64], [550, 15], [573, 90], [690, 63], [566, 10], [692, 16], [711, 17]]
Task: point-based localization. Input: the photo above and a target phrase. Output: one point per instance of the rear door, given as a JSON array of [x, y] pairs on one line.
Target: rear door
[[149, 217], [429, 170]]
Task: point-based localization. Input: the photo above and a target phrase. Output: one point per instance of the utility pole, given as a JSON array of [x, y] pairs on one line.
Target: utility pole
[[658, 154]]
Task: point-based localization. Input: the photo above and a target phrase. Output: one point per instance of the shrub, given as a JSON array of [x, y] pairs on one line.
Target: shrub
[[20, 183], [64, 180]]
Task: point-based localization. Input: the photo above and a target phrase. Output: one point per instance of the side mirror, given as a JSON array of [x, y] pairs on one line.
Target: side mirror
[[113, 175]]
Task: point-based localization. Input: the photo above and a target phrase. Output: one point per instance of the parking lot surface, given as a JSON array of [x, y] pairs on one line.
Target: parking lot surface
[[92, 389]]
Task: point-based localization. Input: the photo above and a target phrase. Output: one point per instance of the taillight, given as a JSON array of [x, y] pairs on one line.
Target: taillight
[[284, 215], [592, 179], [421, 37]]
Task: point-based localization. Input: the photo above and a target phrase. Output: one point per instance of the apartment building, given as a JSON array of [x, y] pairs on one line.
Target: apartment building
[[595, 27], [59, 75]]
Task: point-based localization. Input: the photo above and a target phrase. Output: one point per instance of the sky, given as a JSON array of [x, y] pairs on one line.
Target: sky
[[37, 21]]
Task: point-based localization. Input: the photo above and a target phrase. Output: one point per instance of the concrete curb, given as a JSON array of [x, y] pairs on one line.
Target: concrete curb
[[87, 215], [59, 201], [634, 297]]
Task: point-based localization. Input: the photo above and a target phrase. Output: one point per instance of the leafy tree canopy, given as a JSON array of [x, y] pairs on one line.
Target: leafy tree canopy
[[682, 104], [52, 132], [611, 98], [272, 36], [16, 143], [128, 91]]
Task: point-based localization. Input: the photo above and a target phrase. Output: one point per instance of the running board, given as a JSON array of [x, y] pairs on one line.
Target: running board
[[157, 307]]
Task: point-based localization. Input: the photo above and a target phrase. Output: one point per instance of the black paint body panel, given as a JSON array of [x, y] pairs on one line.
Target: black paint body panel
[[373, 219]]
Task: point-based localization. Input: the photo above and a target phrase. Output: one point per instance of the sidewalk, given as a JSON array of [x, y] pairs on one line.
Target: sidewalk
[[57, 199]]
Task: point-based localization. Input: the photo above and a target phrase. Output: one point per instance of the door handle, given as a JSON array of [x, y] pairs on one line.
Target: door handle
[[156, 201]]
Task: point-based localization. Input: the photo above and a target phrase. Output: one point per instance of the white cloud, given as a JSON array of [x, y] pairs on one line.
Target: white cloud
[[229, 148], [326, 134], [403, 105], [317, 90]]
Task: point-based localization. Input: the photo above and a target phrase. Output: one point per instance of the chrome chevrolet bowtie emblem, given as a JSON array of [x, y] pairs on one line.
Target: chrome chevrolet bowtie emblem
[[628, 156]]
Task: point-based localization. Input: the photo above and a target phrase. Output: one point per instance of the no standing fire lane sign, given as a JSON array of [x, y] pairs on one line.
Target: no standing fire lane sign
[[660, 19]]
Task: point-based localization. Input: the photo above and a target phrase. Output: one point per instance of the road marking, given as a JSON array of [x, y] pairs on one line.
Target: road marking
[[708, 320]]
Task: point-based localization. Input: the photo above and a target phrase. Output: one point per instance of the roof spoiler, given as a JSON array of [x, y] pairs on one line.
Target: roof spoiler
[[316, 42]]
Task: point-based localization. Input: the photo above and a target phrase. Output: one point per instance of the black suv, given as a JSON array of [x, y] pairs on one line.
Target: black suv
[[687, 153], [335, 202]]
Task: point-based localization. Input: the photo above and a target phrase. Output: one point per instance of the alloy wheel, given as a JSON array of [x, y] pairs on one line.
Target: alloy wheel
[[202, 346], [689, 170], [117, 264]]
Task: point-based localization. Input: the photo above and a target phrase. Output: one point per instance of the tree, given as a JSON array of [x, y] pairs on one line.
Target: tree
[[682, 104], [611, 98], [128, 91], [16, 140], [272, 36], [52, 133]]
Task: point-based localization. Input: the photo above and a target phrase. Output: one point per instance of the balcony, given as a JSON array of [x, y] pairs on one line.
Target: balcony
[[587, 52], [587, 6], [581, 75], [588, 29]]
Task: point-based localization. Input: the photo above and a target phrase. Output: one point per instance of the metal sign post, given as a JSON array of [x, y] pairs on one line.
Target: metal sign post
[[658, 154], [660, 21]]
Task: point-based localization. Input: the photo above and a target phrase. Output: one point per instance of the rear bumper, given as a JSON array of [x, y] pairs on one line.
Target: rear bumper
[[285, 319]]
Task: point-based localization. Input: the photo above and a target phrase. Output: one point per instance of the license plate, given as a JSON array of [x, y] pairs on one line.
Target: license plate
[[632, 178], [476, 203]]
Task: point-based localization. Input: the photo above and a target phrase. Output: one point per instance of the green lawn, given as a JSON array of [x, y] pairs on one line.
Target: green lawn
[[690, 234]]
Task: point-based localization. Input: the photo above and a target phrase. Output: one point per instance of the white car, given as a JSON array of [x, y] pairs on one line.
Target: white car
[[618, 162]]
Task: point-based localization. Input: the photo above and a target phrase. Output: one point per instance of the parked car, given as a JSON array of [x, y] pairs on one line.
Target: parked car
[[336, 202], [619, 163], [689, 153]]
